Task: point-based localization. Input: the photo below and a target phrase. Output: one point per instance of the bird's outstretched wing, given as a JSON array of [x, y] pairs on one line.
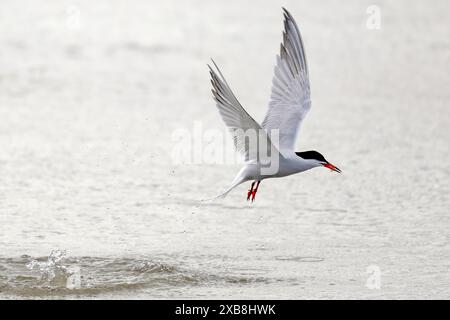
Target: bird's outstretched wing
[[241, 125], [290, 97]]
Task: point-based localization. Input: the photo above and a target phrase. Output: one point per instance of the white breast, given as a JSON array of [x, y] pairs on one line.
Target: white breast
[[287, 165]]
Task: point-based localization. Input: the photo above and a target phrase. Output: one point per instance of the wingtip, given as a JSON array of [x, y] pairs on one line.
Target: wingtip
[[287, 14], [215, 65], [217, 71]]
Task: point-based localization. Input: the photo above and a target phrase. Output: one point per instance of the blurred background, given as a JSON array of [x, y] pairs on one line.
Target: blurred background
[[91, 94]]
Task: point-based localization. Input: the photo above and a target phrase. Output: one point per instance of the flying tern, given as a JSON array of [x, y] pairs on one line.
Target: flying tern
[[289, 103]]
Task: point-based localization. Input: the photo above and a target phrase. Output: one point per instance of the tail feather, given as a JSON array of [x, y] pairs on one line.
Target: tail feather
[[237, 181]]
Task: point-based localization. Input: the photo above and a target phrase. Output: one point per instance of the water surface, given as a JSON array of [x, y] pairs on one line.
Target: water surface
[[92, 205]]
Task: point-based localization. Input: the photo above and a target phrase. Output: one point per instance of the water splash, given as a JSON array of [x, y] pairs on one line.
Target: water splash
[[52, 270], [58, 275]]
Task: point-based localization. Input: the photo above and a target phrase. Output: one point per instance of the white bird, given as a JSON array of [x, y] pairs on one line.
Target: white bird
[[269, 148]]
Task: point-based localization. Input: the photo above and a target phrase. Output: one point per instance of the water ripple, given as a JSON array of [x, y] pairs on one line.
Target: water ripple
[[59, 275]]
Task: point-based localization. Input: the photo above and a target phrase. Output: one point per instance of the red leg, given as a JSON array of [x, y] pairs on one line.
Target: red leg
[[255, 190], [249, 193]]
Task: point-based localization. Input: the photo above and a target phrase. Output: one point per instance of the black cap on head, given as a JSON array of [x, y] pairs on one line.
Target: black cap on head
[[311, 155]]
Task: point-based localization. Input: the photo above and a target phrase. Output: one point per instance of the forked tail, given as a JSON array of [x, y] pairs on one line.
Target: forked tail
[[237, 181]]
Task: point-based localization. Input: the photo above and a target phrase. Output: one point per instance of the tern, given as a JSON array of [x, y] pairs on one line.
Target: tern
[[289, 103]]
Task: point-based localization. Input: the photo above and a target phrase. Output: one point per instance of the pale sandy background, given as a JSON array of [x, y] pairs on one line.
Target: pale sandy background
[[91, 92]]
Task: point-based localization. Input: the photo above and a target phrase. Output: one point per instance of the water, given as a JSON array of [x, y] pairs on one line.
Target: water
[[93, 206]]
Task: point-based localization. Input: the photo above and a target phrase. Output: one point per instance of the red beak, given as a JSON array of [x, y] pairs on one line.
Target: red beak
[[332, 167]]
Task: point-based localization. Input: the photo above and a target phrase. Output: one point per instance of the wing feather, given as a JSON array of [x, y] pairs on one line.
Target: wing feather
[[290, 97], [238, 121]]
